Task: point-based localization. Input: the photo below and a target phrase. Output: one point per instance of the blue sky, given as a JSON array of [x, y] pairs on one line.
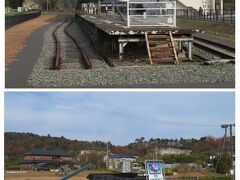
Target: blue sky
[[119, 117]]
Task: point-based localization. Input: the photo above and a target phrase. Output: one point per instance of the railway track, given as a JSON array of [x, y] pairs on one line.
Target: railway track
[[57, 60], [69, 41], [86, 60], [216, 48]]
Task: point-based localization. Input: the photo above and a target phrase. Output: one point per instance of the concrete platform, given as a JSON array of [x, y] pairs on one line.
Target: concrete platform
[[114, 26], [109, 33]]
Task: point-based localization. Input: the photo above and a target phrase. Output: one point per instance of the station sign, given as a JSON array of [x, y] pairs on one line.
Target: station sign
[[154, 169]]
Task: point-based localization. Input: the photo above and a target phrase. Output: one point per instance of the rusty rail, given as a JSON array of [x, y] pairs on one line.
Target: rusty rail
[[57, 61], [86, 60]]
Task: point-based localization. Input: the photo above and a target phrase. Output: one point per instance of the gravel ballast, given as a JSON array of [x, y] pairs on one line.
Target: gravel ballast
[[72, 76]]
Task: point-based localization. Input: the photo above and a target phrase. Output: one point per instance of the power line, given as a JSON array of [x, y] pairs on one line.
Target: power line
[[95, 109]]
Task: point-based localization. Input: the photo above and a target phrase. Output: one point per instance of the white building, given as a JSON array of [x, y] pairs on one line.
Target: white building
[[196, 4], [119, 162]]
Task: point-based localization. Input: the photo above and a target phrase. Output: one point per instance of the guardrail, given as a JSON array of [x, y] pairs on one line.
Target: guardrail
[[14, 20], [220, 15]]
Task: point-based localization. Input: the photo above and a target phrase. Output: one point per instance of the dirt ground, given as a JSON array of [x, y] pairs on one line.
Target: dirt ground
[[42, 176], [16, 36], [31, 175]]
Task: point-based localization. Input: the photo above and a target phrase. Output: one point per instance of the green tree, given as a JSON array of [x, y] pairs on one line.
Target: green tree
[[224, 164], [14, 3]]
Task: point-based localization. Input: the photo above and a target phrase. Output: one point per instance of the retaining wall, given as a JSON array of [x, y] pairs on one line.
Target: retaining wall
[[14, 20]]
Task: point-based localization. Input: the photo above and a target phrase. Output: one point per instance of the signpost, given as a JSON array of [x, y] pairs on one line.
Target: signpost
[[155, 169]]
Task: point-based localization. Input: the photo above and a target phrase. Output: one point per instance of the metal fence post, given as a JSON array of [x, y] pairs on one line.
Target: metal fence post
[[210, 14], [223, 15], [175, 15], [128, 18]]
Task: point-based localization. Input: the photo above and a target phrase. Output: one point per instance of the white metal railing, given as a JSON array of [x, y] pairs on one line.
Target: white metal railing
[[151, 13]]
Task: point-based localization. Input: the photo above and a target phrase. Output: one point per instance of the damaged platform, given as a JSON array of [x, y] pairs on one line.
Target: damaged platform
[[111, 35]]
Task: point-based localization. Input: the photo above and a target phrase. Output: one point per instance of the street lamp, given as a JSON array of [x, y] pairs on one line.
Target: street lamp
[[225, 126]]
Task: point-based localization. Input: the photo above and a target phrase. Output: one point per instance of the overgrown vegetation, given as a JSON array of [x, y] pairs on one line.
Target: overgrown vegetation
[[224, 164], [198, 158], [222, 30]]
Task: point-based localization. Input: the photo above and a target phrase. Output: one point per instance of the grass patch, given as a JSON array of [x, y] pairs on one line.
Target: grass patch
[[222, 30]]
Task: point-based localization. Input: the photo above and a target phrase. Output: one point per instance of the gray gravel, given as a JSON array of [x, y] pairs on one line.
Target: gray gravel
[[74, 75]]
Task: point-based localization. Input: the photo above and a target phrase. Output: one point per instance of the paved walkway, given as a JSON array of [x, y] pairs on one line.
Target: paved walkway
[[23, 46]]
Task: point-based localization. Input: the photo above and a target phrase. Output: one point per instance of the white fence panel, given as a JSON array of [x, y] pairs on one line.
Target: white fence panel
[[151, 13]]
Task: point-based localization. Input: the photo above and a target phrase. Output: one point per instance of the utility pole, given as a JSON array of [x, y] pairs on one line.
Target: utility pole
[[50, 6], [219, 153], [156, 152], [231, 144], [99, 7], [107, 156], [225, 126], [47, 5], [107, 150]]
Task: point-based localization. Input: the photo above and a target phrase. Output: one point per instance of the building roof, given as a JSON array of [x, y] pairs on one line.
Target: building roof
[[111, 1], [47, 161], [122, 156], [48, 152]]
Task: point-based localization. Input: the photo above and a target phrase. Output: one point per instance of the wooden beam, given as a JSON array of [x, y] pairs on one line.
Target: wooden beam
[[148, 48], [174, 49]]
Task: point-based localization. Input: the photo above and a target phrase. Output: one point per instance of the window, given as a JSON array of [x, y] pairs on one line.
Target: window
[[37, 157]]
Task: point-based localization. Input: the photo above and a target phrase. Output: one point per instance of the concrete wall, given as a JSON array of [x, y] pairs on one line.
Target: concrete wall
[[168, 151], [163, 151]]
